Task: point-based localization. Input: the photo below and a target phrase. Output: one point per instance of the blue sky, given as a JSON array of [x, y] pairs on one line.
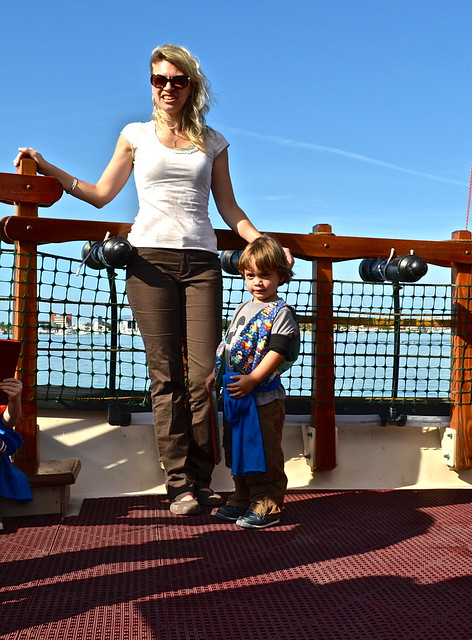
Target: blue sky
[[354, 113]]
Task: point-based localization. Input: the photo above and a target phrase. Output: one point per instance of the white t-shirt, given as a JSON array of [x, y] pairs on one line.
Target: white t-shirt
[[173, 187]]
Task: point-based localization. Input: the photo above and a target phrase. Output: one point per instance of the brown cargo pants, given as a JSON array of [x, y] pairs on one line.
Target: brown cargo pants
[[176, 299]]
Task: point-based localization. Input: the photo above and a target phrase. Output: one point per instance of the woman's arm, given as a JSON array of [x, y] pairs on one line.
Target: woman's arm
[[227, 206], [112, 180]]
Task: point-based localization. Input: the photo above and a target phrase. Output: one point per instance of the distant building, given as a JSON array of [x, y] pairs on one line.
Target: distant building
[[61, 321], [128, 325], [44, 327], [100, 325]]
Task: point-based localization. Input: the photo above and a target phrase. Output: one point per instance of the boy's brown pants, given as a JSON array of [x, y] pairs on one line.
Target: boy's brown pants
[[264, 492]]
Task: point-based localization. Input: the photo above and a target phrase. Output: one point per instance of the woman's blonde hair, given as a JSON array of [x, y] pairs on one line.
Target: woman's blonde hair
[[267, 254], [198, 104]]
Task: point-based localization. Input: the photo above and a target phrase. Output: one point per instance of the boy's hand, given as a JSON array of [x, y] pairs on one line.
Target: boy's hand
[[242, 385], [12, 387]]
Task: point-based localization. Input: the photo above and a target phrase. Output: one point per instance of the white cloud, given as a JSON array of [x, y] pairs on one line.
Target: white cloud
[[295, 144], [277, 198]]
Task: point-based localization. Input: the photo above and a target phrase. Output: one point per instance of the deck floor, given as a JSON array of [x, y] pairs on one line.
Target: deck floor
[[342, 565]]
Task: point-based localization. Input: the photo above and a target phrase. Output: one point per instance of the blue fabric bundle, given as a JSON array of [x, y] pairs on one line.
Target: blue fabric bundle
[[247, 447], [13, 482]]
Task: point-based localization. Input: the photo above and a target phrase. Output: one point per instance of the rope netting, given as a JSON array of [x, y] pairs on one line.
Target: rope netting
[[391, 342]]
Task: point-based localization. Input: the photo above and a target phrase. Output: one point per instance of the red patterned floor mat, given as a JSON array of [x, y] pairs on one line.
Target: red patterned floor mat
[[373, 565]]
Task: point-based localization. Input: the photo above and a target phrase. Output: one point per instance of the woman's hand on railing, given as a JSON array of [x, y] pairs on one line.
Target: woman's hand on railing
[[29, 152], [68, 182]]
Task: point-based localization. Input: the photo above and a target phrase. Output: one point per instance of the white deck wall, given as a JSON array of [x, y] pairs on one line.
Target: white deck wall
[[124, 460]]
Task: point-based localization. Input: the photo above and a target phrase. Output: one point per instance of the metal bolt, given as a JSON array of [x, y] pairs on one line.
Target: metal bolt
[[29, 186], [29, 228], [326, 245]]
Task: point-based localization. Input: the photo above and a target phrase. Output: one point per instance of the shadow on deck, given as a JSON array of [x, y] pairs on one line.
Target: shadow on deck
[[370, 565]]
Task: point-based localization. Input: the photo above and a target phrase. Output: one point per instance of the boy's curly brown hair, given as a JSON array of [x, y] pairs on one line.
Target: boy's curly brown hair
[[268, 255]]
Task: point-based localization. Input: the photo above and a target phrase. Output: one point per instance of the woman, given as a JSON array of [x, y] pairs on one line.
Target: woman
[[174, 282]]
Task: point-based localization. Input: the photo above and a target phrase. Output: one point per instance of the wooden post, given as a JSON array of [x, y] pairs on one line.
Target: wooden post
[[25, 328], [50, 480], [461, 354], [323, 413]]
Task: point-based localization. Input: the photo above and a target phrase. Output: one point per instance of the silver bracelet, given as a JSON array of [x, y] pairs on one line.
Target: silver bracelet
[[75, 182]]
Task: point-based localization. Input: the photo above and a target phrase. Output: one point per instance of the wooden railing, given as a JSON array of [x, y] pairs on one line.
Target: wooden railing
[[322, 247]]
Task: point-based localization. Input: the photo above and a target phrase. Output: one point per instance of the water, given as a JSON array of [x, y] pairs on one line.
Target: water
[[82, 360], [364, 362]]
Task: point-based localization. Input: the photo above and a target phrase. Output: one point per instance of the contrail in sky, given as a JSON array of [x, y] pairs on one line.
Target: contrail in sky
[[287, 142]]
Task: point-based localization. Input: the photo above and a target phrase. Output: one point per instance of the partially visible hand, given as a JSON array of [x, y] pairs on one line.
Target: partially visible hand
[[288, 255], [12, 387], [29, 152], [210, 382], [241, 386]]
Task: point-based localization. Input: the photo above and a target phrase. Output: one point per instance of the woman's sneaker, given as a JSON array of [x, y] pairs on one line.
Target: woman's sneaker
[[230, 514], [252, 520]]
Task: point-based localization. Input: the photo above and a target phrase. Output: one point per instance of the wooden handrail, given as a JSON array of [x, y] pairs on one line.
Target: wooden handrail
[[42, 191], [52, 230], [311, 246]]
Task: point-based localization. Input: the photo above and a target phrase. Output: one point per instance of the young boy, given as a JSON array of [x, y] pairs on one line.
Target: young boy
[[262, 342]]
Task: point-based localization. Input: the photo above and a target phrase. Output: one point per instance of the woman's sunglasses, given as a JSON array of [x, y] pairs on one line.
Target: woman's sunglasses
[[176, 82]]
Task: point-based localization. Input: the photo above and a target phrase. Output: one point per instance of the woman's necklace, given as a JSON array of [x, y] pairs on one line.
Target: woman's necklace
[[179, 137], [169, 137], [174, 142]]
